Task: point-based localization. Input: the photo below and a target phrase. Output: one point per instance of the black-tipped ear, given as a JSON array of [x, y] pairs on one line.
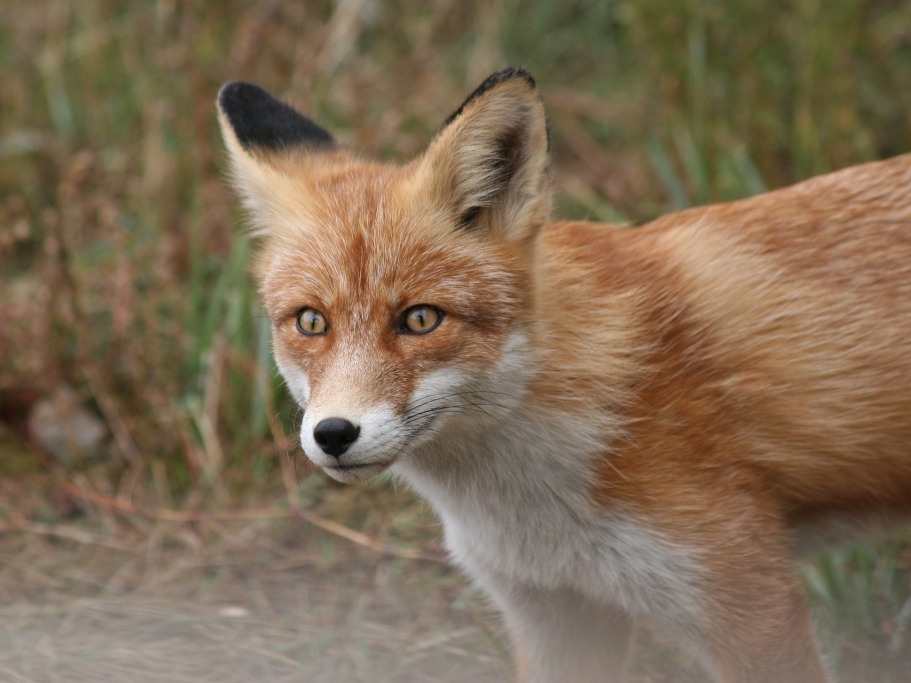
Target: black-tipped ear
[[491, 82], [487, 164], [262, 123]]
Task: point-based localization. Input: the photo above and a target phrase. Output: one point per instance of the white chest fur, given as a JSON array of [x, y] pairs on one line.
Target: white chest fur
[[516, 509]]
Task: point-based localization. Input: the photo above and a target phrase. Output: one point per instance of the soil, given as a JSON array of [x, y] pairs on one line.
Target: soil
[[270, 597], [74, 609]]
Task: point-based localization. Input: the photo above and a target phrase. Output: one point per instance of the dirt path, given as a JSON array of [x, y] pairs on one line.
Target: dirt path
[[268, 600], [247, 610], [132, 639]]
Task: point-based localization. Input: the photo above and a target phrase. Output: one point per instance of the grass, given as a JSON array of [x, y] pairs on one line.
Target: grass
[[122, 274]]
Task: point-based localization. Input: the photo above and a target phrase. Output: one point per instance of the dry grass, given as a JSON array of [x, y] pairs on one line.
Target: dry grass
[[122, 277]]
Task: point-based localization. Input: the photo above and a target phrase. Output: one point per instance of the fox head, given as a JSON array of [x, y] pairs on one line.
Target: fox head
[[399, 295]]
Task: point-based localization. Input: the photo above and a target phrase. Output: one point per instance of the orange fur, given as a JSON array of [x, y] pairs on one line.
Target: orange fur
[[613, 424]]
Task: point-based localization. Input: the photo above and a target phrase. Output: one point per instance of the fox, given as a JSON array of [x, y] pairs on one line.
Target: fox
[[616, 425]]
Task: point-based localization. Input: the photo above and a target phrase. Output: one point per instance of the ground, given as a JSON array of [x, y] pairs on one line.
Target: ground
[[93, 588], [76, 607], [76, 610]]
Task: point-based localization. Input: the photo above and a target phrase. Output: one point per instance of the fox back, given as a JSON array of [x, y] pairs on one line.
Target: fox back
[[613, 424]]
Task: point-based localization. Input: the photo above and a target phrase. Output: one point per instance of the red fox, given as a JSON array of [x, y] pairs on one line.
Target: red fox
[[613, 424]]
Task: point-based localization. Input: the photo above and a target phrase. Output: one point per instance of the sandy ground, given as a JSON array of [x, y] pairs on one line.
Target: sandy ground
[[266, 600], [132, 638], [247, 610]]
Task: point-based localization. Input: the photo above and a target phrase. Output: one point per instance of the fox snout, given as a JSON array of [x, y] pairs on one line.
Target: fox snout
[[351, 444], [335, 435]]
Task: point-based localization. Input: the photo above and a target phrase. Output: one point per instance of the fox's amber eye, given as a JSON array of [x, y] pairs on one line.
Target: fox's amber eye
[[420, 319], [311, 322]]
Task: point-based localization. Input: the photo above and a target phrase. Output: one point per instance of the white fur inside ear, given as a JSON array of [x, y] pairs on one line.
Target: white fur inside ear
[[489, 164]]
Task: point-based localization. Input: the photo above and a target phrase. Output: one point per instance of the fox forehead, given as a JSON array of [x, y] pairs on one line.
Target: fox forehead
[[362, 234]]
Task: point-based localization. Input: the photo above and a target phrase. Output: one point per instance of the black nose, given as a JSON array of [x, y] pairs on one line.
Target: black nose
[[335, 434]]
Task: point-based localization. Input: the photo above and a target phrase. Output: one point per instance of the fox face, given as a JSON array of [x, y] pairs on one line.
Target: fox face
[[404, 314], [383, 354]]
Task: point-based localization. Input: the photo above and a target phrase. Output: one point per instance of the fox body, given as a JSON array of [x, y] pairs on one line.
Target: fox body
[[613, 424]]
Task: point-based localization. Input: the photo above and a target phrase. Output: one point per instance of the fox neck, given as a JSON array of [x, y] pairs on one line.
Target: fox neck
[[533, 458]]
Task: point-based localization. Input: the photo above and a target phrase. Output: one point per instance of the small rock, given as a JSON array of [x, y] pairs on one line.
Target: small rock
[[61, 426], [234, 612]]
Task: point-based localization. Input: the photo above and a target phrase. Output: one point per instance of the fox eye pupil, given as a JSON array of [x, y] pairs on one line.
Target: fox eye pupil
[[311, 322], [420, 320]]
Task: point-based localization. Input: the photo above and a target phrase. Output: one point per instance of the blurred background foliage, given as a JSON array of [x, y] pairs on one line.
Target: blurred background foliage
[[123, 278]]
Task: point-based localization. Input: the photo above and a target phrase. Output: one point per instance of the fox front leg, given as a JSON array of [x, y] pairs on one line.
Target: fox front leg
[[560, 636]]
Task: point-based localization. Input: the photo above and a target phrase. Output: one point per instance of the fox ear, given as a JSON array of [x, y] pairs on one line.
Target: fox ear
[[262, 126], [488, 163], [265, 139]]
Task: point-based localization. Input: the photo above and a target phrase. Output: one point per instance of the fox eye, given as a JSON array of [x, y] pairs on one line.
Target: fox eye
[[311, 322], [420, 319]]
